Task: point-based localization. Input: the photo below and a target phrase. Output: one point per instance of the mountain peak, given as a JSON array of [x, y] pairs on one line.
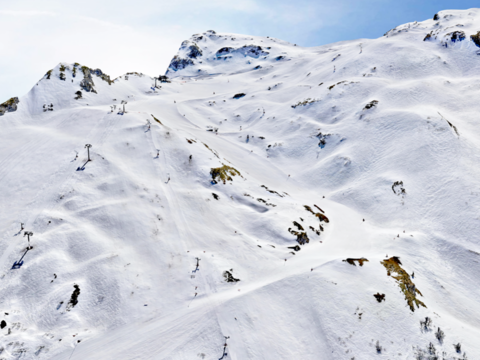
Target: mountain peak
[[212, 53]]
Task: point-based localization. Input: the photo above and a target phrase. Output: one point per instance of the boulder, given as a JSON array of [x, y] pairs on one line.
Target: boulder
[[9, 105]]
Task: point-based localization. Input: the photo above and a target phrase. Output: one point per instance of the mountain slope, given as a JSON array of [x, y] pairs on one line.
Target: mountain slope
[[271, 163]]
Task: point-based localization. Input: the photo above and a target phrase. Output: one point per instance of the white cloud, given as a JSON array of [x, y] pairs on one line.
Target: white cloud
[[26, 13]]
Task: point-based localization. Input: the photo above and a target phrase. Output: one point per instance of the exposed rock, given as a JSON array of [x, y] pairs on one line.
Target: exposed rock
[[246, 50], [252, 50], [371, 104], [352, 261], [178, 63], [436, 17], [398, 188], [229, 277], [322, 139], [456, 36], [476, 38], [223, 173], [194, 51], [87, 83], [102, 75], [9, 105], [224, 51], [238, 96], [404, 281], [74, 298]]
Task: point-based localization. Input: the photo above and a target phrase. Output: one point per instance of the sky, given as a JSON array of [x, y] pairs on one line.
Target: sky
[[143, 35]]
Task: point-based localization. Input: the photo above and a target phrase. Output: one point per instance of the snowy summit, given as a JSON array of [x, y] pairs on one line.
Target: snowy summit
[[260, 200]]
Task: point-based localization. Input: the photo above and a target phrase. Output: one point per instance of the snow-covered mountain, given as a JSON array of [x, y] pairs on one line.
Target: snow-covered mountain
[[290, 202]]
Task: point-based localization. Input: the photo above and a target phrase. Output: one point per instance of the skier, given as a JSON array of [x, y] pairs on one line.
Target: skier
[[158, 153]]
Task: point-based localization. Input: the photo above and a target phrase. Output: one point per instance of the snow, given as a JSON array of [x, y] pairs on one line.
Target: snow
[[129, 237]]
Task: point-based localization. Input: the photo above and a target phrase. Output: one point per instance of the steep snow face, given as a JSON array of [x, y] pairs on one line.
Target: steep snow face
[[313, 203]]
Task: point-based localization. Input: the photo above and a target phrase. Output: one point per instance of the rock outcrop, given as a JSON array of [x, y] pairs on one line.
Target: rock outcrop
[[9, 106]]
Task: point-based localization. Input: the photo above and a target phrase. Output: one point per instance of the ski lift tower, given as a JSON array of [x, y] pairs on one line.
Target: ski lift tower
[[28, 234], [88, 146]]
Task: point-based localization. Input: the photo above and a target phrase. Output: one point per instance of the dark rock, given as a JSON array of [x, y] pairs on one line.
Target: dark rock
[[224, 51], [74, 298], [87, 83], [352, 261], [178, 63], [457, 36], [239, 95], [229, 277], [436, 17], [252, 50], [246, 50], [371, 104], [9, 105], [476, 38], [194, 51]]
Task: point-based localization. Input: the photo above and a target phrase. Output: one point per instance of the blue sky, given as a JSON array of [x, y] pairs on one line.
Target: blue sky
[[143, 35]]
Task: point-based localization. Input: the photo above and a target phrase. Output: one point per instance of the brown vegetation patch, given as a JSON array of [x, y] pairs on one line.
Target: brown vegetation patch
[[223, 173], [404, 281], [154, 118], [359, 261]]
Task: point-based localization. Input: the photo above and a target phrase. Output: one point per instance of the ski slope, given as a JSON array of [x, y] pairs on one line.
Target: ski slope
[[364, 149]]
